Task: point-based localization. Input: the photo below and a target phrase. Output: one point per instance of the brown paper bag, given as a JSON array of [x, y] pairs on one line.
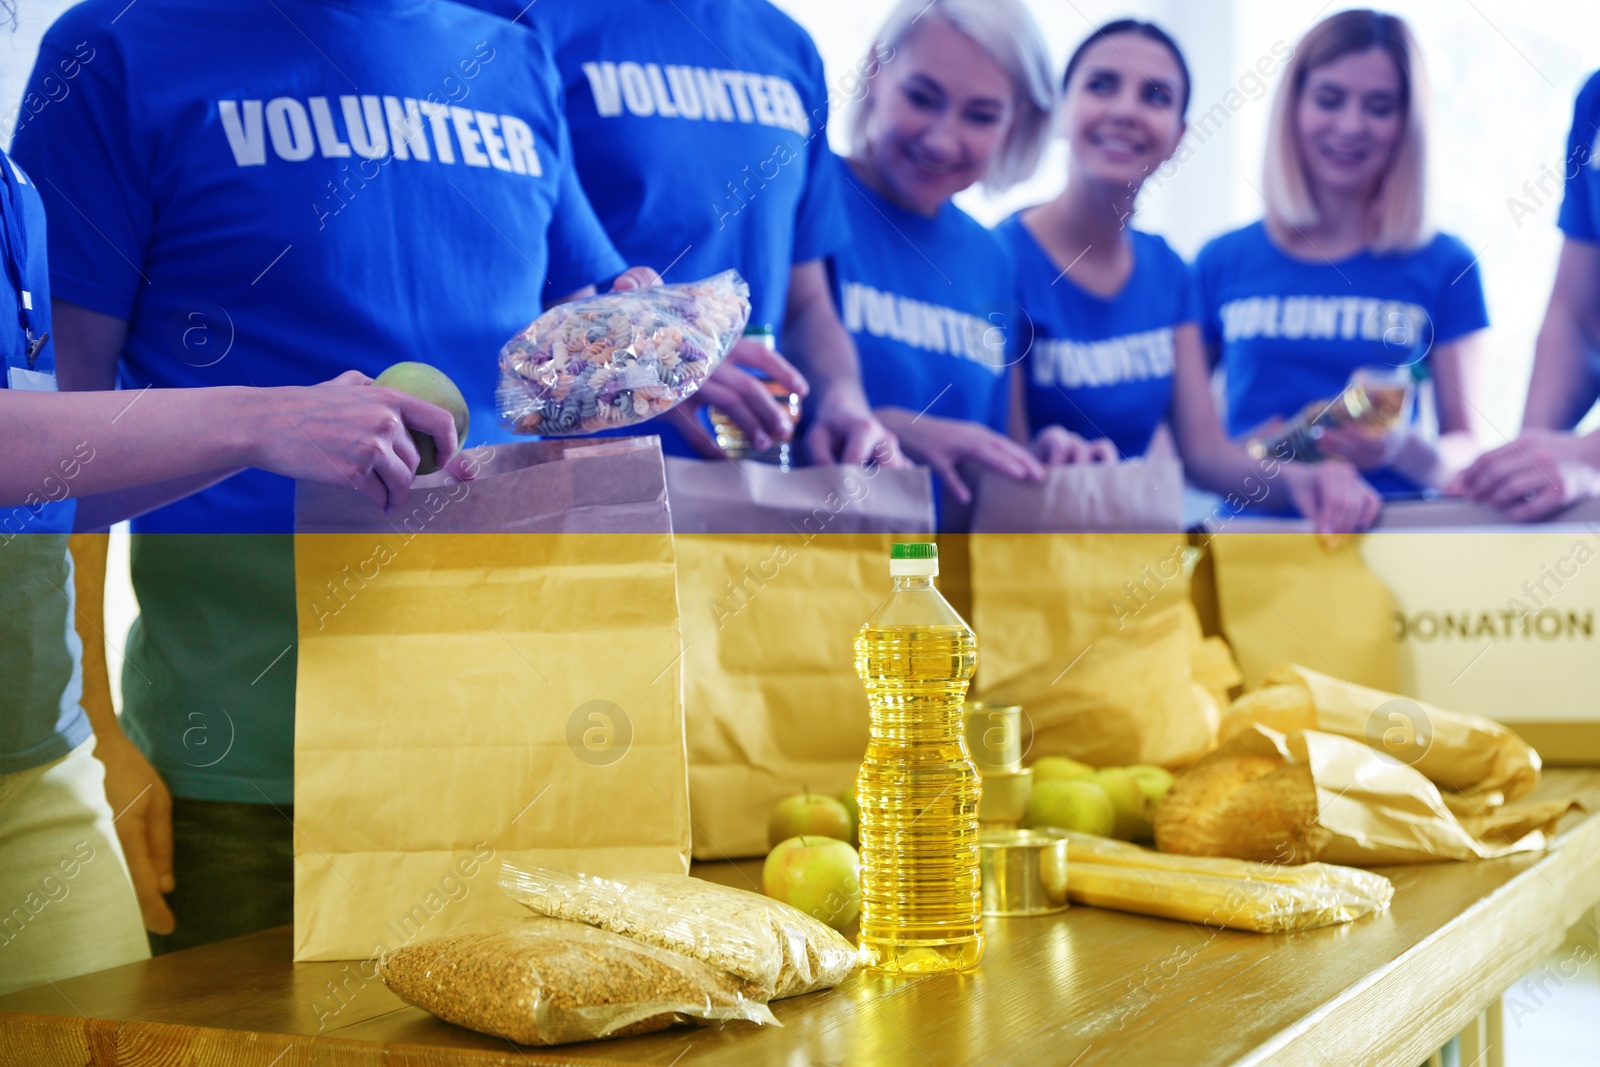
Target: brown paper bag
[[465, 697], [777, 570], [1301, 598], [1134, 496], [772, 701], [743, 496], [1467, 754], [1091, 634]]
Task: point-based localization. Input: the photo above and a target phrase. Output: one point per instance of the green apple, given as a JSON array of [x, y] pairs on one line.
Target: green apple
[[1126, 797], [1078, 804], [819, 875], [1153, 783], [428, 383], [848, 799], [809, 814], [1060, 769]]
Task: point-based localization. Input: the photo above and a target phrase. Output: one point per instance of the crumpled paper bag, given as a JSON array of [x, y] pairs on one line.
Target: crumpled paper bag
[[1302, 598], [1134, 496], [1484, 761], [1372, 810], [1095, 636]]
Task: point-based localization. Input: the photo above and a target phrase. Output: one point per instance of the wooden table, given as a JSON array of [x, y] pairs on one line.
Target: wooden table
[[1088, 987]]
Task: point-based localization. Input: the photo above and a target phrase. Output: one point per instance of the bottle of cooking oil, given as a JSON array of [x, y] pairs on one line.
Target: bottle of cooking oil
[[1375, 398], [918, 789]]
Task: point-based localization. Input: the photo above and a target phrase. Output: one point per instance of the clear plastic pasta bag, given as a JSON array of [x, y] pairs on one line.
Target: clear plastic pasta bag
[[1239, 894], [618, 359], [780, 949], [541, 981]]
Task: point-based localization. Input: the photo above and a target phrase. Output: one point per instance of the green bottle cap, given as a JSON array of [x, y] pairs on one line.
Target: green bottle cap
[[915, 550]]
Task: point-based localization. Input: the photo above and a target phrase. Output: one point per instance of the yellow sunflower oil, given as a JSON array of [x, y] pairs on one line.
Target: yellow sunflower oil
[[921, 899]]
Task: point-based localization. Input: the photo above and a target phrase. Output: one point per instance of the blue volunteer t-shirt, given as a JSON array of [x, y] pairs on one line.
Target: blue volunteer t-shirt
[[41, 677], [1580, 207], [698, 128], [1098, 366], [326, 186], [1289, 332], [927, 301], [271, 192]]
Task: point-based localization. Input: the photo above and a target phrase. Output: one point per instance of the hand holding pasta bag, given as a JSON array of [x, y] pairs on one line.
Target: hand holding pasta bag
[[618, 359]]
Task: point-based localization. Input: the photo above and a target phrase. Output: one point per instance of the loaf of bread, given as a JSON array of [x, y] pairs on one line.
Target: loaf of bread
[[1244, 802]]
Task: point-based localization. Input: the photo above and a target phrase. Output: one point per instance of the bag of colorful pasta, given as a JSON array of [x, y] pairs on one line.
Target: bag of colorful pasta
[[619, 359]]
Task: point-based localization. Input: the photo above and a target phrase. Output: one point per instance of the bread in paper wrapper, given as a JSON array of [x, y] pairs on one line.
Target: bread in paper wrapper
[[618, 359], [1348, 803]]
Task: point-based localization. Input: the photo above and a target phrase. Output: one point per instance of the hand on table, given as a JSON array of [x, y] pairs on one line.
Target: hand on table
[[1333, 495], [142, 808], [1058, 446], [1533, 477], [945, 444]]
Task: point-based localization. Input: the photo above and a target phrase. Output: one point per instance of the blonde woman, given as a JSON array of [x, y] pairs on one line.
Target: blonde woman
[[1115, 350], [958, 92], [1343, 271]]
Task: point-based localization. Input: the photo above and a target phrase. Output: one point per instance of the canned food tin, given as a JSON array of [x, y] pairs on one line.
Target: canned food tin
[[994, 736], [1024, 871], [1005, 796]]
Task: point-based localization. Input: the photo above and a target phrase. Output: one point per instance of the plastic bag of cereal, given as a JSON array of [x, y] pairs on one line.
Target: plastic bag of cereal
[[619, 358]]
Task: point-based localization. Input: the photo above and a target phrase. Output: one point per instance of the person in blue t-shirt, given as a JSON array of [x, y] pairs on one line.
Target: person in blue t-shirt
[[63, 872], [1549, 465], [1116, 349], [925, 290], [264, 194], [1342, 274], [699, 133]]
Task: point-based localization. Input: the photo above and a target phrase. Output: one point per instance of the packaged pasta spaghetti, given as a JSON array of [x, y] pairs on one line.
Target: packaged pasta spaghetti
[[780, 949], [545, 982], [618, 359], [1239, 894]]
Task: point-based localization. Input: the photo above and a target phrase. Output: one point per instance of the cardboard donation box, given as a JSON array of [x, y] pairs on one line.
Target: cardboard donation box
[[1499, 624], [491, 674]]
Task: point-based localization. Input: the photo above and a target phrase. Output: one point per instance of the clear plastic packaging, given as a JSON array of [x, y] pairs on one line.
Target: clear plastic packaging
[[618, 359], [1261, 897], [779, 949], [541, 981]]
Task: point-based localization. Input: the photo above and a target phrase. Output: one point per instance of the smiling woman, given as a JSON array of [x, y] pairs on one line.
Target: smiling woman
[[1345, 224], [958, 93]]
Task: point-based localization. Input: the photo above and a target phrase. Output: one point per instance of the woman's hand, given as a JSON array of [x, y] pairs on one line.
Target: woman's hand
[[744, 398], [1058, 446], [1533, 477], [847, 431], [1364, 449], [945, 444], [635, 278], [1333, 495], [345, 432]]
